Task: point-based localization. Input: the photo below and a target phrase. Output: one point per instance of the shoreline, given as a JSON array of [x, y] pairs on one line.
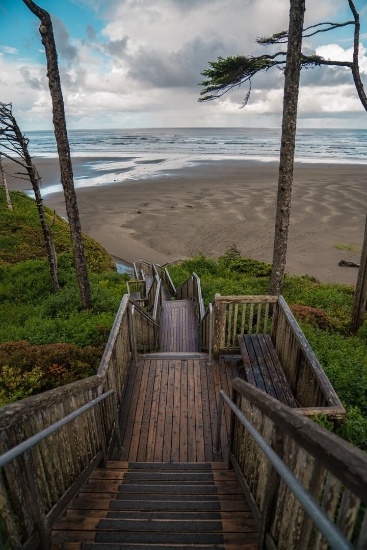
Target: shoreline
[[206, 208]]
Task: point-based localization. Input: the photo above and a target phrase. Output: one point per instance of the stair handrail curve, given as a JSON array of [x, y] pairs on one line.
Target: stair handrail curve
[[41, 534], [142, 268], [206, 332], [190, 289], [157, 301], [144, 330], [167, 281], [305, 484]]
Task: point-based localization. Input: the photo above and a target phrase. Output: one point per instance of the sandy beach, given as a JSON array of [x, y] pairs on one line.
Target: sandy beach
[[207, 208]]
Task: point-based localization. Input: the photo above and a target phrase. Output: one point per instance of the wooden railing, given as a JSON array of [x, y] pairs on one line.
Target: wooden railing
[[141, 269], [191, 290], [332, 471], [156, 313], [152, 293], [137, 290], [240, 315], [63, 461], [308, 382], [206, 332], [144, 331], [167, 281]]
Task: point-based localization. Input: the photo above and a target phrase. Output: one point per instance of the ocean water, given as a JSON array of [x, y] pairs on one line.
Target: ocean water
[[120, 155]]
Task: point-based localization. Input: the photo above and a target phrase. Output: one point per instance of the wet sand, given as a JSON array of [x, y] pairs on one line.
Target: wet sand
[[207, 208]]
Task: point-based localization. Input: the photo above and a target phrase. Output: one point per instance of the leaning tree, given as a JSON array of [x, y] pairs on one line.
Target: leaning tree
[[63, 148], [226, 74], [14, 146]]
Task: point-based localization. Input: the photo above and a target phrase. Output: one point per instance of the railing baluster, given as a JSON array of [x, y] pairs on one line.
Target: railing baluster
[[266, 318], [235, 330], [258, 320], [217, 445], [243, 319], [229, 324], [251, 318]]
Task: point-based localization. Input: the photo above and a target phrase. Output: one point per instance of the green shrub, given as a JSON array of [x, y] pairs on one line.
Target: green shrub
[[26, 369]]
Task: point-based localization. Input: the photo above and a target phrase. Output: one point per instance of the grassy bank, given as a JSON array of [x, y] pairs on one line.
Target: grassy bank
[[323, 312], [46, 340]]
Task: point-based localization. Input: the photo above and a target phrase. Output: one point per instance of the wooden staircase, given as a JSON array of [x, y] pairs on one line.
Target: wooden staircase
[[178, 330], [158, 505]]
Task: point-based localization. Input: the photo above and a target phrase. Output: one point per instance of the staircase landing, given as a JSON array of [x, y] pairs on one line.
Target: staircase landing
[[170, 410]]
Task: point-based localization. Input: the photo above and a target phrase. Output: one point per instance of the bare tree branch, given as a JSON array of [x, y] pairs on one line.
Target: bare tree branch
[[225, 74]]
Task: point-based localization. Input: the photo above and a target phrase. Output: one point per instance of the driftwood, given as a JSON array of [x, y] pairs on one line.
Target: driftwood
[[345, 263]]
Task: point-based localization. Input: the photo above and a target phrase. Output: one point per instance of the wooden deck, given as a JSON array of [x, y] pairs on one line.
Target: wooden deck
[[170, 409], [178, 327], [170, 490]]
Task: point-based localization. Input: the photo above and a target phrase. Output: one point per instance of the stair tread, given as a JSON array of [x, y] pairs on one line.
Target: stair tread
[[158, 505]]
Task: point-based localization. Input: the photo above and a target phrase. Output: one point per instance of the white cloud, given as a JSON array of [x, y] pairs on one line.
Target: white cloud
[[9, 50], [335, 52], [145, 68]]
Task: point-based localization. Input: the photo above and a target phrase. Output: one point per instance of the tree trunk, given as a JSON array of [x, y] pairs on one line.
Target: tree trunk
[[63, 149], [4, 184], [49, 245], [360, 295], [288, 139]]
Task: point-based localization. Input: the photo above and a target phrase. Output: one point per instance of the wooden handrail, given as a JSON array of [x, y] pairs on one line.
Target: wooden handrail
[[61, 463], [190, 289], [333, 471], [235, 315], [307, 380]]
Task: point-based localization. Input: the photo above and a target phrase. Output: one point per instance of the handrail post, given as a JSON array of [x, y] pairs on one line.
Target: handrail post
[[100, 432], [210, 351], [117, 424], [36, 505], [133, 335], [217, 447]]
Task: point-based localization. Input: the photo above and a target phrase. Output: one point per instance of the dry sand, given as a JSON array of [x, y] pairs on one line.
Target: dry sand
[[207, 208]]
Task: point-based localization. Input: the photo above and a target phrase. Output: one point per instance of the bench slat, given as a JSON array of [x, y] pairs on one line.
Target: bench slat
[[263, 368]]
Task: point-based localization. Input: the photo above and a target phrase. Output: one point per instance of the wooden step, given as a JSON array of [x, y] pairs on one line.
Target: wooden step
[[158, 505]]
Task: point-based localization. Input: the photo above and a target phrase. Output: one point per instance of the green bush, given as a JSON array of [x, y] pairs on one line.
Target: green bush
[[323, 311], [26, 369]]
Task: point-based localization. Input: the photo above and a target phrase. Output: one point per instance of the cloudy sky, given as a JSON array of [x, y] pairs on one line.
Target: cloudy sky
[[137, 63]]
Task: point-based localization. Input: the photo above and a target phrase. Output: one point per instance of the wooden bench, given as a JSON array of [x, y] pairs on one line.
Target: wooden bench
[[263, 369]]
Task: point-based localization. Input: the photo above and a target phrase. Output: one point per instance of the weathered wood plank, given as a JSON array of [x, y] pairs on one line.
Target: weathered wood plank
[[263, 369], [184, 413], [176, 413], [138, 418], [168, 443], [159, 437], [191, 420], [279, 374], [153, 418], [143, 440], [199, 431], [178, 327]]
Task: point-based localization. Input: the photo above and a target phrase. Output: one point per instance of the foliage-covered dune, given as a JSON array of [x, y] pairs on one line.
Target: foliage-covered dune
[[21, 236], [45, 338]]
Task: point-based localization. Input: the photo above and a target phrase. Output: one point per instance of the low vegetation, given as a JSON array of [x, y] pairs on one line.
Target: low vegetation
[[45, 338], [323, 312]]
